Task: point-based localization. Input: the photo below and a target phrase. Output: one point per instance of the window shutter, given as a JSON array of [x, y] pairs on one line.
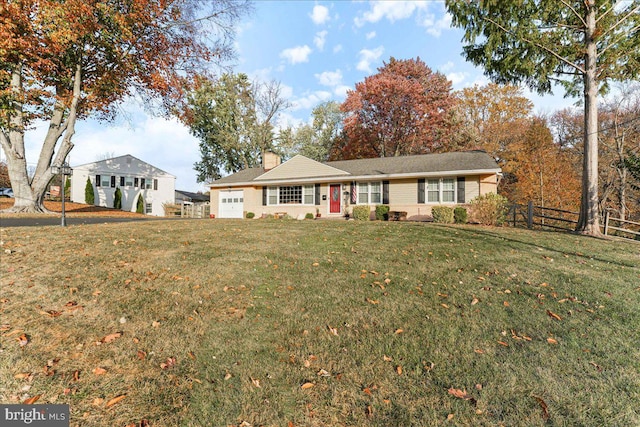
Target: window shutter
[[385, 192], [264, 196], [317, 195], [122, 181], [461, 187], [135, 182], [155, 184], [97, 180], [113, 181], [421, 190]]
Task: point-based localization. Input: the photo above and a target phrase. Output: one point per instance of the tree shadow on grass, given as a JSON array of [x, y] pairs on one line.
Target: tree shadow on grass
[[540, 244]]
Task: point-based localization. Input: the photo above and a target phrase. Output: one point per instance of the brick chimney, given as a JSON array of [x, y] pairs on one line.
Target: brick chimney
[[270, 160]]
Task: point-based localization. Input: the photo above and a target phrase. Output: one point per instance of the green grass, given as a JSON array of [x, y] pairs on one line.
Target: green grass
[[377, 320]]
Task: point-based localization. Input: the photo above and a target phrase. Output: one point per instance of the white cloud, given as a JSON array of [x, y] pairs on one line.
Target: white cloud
[[436, 26], [296, 54], [320, 39], [329, 78], [447, 67], [341, 91], [320, 14], [370, 35], [337, 48], [368, 56], [311, 100], [456, 78], [391, 10]]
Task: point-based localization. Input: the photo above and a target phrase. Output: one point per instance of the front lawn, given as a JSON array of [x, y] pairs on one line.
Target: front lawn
[[320, 323]]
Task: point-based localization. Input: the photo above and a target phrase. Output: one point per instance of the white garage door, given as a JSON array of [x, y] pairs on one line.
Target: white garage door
[[231, 204]]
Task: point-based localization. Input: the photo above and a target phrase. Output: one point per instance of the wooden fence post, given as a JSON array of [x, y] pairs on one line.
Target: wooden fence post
[[530, 214], [606, 222]]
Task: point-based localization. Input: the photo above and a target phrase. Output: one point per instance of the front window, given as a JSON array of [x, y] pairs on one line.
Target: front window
[[148, 184], [128, 181], [369, 193], [441, 190], [105, 181], [291, 195]]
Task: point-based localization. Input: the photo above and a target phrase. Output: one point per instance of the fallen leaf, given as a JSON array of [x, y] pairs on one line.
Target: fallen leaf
[[506, 303], [366, 390], [595, 365], [552, 341], [460, 394], [503, 343], [323, 373], [307, 385], [99, 371], [76, 375], [399, 331], [97, 401], [479, 351], [399, 370], [474, 301], [23, 340], [449, 417], [115, 400], [386, 358], [553, 315], [543, 405], [22, 376], [170, 362], [111, 337], [141, 355], [444, 305], [333, 331], [255, 382], [32, 400], [227, 376]]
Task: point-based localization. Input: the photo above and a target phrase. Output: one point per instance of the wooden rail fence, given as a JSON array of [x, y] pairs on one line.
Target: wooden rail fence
[[540, 216]]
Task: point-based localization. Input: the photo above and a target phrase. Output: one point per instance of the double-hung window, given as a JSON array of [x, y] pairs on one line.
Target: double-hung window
[[442, 190], [105, 181], [369, 193], [128, 181]]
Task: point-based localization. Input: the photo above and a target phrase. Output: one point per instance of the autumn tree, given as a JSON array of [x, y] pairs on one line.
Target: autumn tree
[[620, 138], [539, 170], [5, 182], [318, 139], [492, 118], [62, 61], [580, 44], [234, 120], [403, 109]]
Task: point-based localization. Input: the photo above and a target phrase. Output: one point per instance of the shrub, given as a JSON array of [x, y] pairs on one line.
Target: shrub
[[460, 215], [490, 209], [250, 215], [361, 213], [140, 204], [89, 196], [117, 199], [309, 216], [442, 214], [382, 212]]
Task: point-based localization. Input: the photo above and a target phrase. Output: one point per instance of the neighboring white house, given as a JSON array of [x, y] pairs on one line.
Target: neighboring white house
[[134, 177]]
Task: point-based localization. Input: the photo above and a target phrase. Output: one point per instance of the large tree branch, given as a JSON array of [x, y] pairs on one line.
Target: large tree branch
[[621, 21], [575, 12], [538, 45], [16, 122]]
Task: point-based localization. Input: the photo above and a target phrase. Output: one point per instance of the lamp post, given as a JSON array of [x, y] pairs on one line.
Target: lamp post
[[64, 170]]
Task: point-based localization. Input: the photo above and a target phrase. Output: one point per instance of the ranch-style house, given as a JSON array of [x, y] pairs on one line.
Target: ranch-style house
[[411, 184]]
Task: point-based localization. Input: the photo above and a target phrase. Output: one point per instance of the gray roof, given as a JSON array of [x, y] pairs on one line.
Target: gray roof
[[425, 164], [442, 162]]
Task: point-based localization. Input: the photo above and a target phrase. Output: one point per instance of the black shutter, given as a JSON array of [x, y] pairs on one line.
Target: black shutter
[[113, 181], [385, 192], [135, 182], [155, 184], [461, 186], [421, 190], [264, 196], [97, 180], [122, 181], [317, 196]]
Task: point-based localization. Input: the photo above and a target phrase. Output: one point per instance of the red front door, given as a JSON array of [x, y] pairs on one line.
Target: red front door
[[334, 201]]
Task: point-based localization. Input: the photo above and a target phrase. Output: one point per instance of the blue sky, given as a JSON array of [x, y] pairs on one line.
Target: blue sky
[[317, 50]]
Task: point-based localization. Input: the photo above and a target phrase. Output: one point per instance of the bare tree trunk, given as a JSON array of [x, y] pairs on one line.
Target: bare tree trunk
[[589, 221]]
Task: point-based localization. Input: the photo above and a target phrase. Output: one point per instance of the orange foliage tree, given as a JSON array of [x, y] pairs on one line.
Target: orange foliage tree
[[61, 61], [541, 171], [404, 109]]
